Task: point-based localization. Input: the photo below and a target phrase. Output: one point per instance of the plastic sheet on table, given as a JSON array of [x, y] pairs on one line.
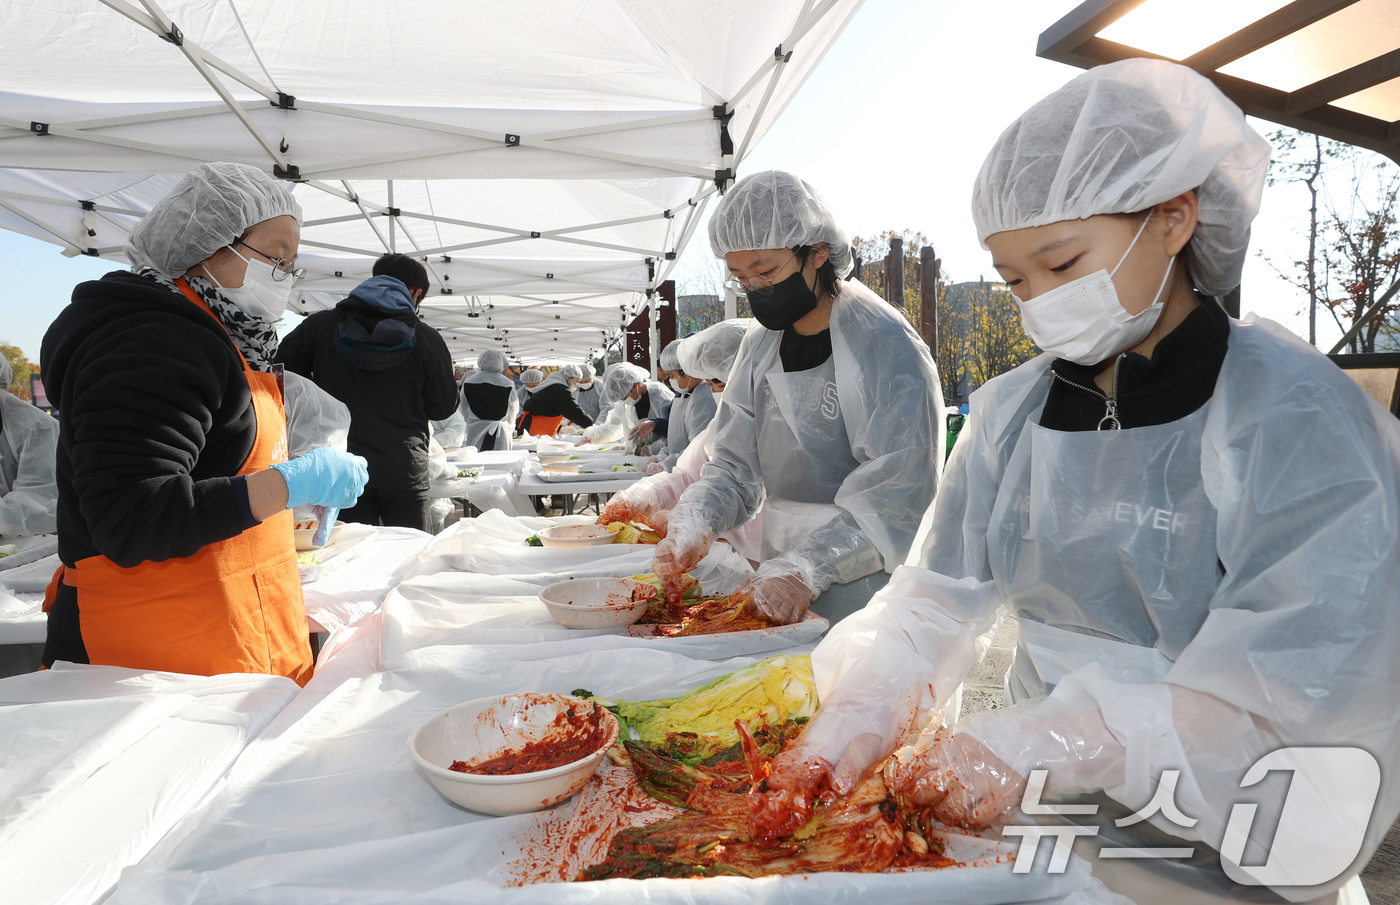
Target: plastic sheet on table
[[337, 813], [31, 548], [98, 762], [497, 546]]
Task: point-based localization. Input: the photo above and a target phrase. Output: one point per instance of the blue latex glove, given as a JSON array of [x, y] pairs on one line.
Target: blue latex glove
[[327, 516], [324, 477]]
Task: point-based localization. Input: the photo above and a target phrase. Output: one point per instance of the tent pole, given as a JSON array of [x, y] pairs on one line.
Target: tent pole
[[392, 244]]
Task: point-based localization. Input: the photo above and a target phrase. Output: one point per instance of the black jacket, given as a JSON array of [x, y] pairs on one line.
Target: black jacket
[[555, 400], [390, 407], [155, 417], [1177, 380]]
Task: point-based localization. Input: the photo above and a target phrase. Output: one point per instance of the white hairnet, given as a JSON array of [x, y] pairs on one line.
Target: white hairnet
[[1124, 137], [208, 208], [619, 379], [710, 353], [7, 373], [669, 360], [492, 360], [532, 375], [774, 209], [586, 372], [571, 371]]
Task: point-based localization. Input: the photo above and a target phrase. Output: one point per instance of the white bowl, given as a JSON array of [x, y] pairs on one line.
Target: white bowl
[[594, 603], [576, 536], [484, 728], [548, 458], [303, 533]]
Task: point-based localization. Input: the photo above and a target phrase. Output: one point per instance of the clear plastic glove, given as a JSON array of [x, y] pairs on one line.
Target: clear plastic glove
[[780, 591], [324, 477], [633, 504], [960, 778], [653, 466], [326, 516], [642, 431], [687, 540], [786, 799]]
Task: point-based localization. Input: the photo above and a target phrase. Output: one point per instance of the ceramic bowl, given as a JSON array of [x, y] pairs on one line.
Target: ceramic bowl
[[487, 727], [595, 603]]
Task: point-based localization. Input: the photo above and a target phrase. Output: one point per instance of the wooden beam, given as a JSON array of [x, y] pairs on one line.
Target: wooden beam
[[1279, 24], [1347, 82], [1062, 41]]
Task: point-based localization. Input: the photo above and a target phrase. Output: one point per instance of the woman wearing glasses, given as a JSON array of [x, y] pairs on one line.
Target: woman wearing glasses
[[175, 530], [832, 420]]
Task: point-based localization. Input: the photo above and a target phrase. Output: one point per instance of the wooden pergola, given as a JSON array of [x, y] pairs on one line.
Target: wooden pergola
[[1330, 67]]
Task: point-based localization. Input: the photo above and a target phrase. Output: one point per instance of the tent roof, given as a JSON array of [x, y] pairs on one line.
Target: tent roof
[[1325, 66], [549, 159]]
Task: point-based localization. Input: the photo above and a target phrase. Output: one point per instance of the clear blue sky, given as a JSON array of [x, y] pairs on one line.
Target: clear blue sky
[[892, 128]]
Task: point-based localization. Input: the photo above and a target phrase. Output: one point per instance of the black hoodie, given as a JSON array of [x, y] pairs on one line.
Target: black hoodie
[[392, 391]]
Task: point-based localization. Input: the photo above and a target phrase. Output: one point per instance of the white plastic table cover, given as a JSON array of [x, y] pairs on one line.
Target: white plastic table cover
[[480, 586], [430, 611], [533, 485], [30, 548], [22, 618], [329, 808], [356, 587], [98, 762], [494, 545]]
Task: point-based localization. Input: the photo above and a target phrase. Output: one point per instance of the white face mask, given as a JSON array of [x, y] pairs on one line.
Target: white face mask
[[260, 296], [675, 386], [1083, 321]]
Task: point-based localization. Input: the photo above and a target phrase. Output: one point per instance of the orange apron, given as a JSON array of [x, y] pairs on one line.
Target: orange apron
[[235, 606], [540, 426]]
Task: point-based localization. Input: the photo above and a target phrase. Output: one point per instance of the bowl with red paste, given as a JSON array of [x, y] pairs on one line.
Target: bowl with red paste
[[513, 754]]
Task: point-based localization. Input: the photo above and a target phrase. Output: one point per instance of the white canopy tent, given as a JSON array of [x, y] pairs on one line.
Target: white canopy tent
[[548, 158]]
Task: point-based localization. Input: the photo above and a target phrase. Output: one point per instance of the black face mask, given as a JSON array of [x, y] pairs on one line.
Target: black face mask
[[790, 301]]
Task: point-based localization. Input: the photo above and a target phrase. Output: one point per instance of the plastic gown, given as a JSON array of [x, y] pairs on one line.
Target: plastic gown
[[855, 510], [28, 452], [315, 418], [478, 428], [690, 414], [1211, 589], [622, 416], [451, 432]]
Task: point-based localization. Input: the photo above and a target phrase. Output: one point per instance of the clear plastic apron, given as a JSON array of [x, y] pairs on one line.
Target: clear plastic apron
[[805, 456], [1105, 550]]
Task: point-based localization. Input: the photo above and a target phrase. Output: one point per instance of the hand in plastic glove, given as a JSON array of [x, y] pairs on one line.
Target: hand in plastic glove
[[642, 430], [324, 477], [779, 590], [960, 778], [687, 541], [653, 466], [785, 800]]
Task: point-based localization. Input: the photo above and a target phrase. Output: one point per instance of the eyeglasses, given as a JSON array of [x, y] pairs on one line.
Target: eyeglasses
[[281, 267], [760, 286]]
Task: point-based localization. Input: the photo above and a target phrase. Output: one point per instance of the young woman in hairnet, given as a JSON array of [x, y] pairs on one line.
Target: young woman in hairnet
[[636, 397], [1193, 518], [489, 403], [709, 356], [553, 401], [28, 443], [590, 394], [175, 490], [692, 410], [830, 418]]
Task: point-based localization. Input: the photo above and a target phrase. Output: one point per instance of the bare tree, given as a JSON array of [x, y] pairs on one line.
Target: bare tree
[[1363, 255], [1303, 158]]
